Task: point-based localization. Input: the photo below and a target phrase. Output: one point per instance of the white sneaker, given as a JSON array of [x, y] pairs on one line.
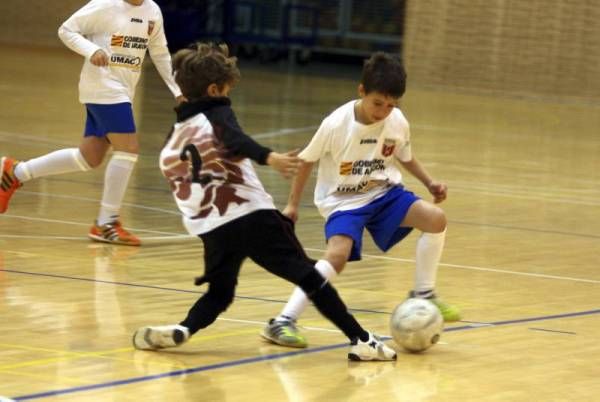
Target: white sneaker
[[372, 350], [166, 336]]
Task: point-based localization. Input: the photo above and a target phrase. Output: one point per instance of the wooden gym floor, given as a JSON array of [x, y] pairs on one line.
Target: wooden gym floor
[[521, 258]]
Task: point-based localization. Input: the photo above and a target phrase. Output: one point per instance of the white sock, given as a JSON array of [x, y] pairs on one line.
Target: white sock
[[298, 300], [429, 252], [57, 162], [116, 178]]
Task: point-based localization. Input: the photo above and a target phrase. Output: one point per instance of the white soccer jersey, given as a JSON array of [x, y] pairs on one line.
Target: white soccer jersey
[[124, 32], [221, 190], [356, 161]]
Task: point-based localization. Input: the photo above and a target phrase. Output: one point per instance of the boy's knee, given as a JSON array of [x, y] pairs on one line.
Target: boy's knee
[[94, 162], [337, 260], [338, 251], [438, 220]]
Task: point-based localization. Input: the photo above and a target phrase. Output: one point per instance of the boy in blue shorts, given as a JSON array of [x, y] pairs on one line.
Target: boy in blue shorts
[[359, 186], [113, 36]]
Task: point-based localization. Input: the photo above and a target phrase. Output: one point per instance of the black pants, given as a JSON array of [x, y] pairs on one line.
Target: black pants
[[267, 237]]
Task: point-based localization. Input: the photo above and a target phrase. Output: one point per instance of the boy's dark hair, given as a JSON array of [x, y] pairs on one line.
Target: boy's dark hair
[[202, 64], [384, 73]]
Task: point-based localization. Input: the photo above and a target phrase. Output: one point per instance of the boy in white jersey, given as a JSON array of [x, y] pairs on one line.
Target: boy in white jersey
[[206, 160], [113, 36], [360, 186]]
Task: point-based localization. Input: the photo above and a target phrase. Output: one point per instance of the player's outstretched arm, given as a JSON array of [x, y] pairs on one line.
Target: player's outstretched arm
[[291, 209], [286, 163]]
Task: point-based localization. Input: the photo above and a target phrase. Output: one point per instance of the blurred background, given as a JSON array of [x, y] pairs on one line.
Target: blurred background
[[546, 48]]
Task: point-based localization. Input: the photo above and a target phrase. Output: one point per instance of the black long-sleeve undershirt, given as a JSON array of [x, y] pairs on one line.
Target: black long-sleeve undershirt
[[221, 116]]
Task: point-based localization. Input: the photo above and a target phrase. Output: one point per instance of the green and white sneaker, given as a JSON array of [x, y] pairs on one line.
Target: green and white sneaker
[[449, 312], [284, 333]]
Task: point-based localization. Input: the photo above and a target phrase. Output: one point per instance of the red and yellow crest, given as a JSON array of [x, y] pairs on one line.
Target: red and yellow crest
[[388, 147]]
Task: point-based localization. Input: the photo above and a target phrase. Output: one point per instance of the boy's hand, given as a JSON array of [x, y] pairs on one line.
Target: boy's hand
[[438, 190], [291, 212], [99, 58], [180, 99], [287, 164]]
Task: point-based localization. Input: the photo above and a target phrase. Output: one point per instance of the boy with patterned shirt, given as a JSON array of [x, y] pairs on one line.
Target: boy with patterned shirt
[[206, 161], [360, 186], [113, 36]]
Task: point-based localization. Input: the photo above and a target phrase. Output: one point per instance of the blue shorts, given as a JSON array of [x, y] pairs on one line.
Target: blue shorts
[[104, 119], [382, 218]]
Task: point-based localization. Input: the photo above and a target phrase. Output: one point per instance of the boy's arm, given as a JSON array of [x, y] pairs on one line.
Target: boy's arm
[[159, 53], [437, 189], [240, 144], [291, 209], [83, 20]]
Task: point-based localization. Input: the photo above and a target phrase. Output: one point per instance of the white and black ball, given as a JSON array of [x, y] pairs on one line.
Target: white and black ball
[[416, 324]]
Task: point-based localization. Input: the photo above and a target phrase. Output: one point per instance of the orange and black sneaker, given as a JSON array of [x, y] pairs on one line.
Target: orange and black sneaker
[[8, 181], [113, 233]]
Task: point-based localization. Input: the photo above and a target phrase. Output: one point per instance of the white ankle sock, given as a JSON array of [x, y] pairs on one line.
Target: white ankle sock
[[116, 178], [298, 301], [57, 162], [429, 252]]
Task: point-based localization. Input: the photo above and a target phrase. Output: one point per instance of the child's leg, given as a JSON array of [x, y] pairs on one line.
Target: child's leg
[[428, 254], [115, 123], [276, 248], [336, 255], [14, 173], [221, 266], [116, 178], [298, 301], [62, 161], [207, 308], [344, 234], [431, 220]]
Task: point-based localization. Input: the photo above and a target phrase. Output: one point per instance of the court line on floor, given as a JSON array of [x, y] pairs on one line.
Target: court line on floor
[[355, 310], [275, 356], [172, 235], [474, 268]]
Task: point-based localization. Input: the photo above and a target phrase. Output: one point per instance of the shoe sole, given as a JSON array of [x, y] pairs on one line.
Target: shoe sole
[[142, 335], [146, 345], [356, 358], [101, 239], [277, 342]]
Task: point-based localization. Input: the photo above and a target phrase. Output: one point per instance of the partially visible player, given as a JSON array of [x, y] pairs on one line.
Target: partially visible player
[[113, 37], [207, 162], [359, 186]]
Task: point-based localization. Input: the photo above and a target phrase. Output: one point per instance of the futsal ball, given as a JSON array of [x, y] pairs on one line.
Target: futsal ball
[[416, 324]]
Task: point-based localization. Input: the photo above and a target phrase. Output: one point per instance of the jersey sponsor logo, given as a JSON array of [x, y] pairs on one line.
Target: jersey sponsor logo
[[128, 42], [368, 141], [117, 40], [366, 167], [137, 20], [125, 60], [388, 147], [345, 168], [150, 27], [362, 187]]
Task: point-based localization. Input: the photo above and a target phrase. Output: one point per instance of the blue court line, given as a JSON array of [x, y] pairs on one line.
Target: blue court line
[[136, 285], [251, 360]]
